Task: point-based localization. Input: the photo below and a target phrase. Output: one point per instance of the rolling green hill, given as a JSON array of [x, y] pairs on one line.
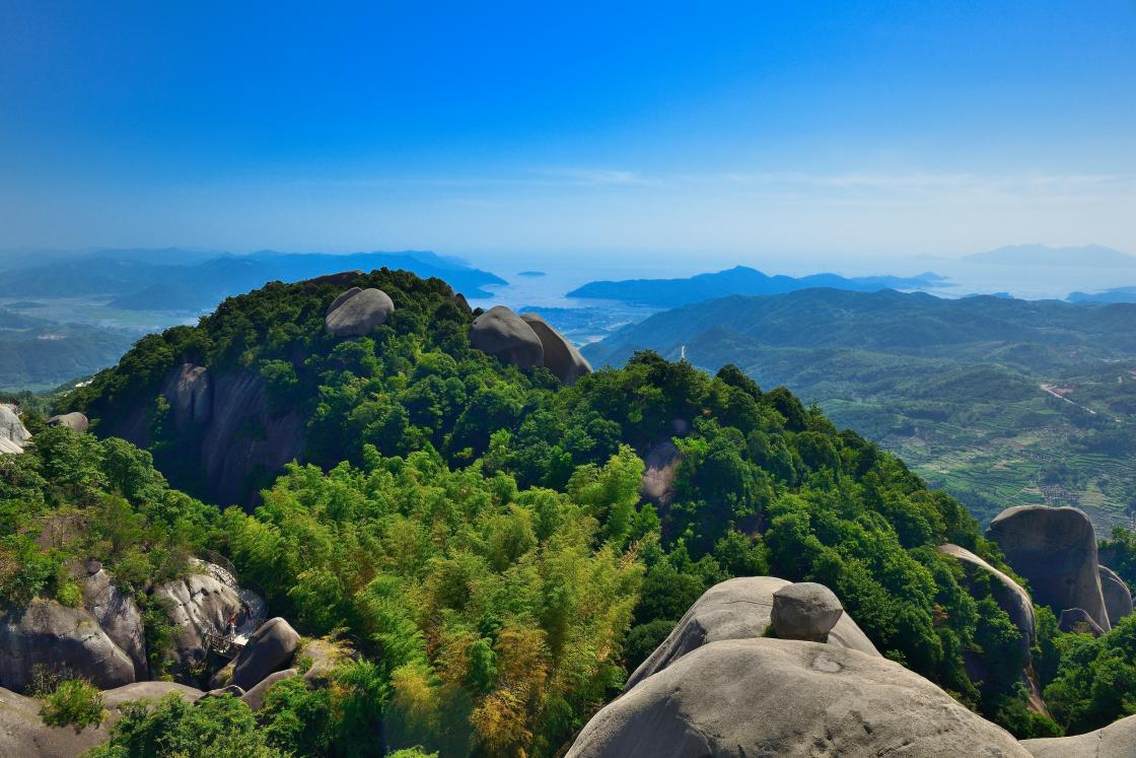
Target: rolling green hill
[[1002, 402]]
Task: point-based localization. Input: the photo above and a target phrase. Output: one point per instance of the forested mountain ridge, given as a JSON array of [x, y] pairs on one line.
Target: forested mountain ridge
[[498, 549], [1003, 401]]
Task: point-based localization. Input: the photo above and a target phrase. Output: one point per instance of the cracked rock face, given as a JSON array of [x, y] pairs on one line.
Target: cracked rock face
[[197, 604], [119, 617], [740, 608], [768, 697]]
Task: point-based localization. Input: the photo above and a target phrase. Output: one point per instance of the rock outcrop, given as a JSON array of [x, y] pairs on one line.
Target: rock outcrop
[[23, 733], [1010, 596], [1078, 620], [560, 356], [358, 311], [1117, 596], [1055, 549], [55, 638], [272, 645], [118, 615], [805, 611], [13, 435], [740, 608], [189, 391], [1117, 740], [508, 337], [75, 421], [198, 605], [767, 697], [254, 698]]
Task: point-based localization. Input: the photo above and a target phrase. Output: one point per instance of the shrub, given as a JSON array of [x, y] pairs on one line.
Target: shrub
[[74, 702]]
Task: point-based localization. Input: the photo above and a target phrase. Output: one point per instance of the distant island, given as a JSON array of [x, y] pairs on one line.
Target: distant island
[[1044, 255], [1115, 295], [531, 274], [740, 280]]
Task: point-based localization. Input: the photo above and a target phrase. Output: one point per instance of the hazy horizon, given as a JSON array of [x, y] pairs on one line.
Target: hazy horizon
[[653, 134]]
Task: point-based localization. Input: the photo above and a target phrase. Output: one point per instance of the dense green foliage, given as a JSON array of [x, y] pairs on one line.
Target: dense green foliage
[[1095, 681], [73, 703], [952, 386]]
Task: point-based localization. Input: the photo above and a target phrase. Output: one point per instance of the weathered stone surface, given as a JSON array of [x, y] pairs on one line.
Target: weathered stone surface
[[189, 390], [506, 336], [23, 733], [199, 604], [356, 314], [119, 617], [341, 298], [1078, 620], [661, 466], [1055, 550], [1010, 596], [1117, 595], [149, 691], [74, 421], [269, 648], [14, 435], [768, 697], [1117, 740], [59, 639], [560, 356], [805, 611], [231, 689], [740, 608], [254, 698]]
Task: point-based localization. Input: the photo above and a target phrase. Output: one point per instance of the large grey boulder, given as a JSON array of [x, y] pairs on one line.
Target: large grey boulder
[[149, 691], [14, 435], [119, 617], [740, 608], [1010, 596], [254, 698], [198, 605], [269, 648], [506, 336], [23, 733], [356, 313], [768, 697], [560, 356], [805, 611], [189, 390], [75, 421], [1117, 596], [1055, 550], [47, 635], [1117, 740]]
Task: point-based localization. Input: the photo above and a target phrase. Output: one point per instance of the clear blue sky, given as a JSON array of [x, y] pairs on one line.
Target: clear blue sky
[[652, 129]]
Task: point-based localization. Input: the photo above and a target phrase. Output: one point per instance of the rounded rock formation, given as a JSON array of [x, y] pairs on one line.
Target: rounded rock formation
[[75, 421], [118, 615], [1055, 549], [1117, 596], [805, 611], [1010, 596], [269, 648], [199, 605], [254, 698], [560, 356], [56, 638], [1078, 620], [507, 337], [740, 608], [356, 312], [23, 733], [13, 435], [766, 697], [189, 390]]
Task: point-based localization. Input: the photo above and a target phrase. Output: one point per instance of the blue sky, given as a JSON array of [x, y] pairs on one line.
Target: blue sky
[[652, 131]]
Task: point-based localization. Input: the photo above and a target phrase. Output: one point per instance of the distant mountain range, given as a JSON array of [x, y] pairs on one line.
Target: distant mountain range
[[1002, 401], [175, 280], [1044, 255], [740, 280]]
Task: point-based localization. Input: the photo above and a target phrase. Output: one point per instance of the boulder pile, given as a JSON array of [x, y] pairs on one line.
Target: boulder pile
[[526, 341]]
